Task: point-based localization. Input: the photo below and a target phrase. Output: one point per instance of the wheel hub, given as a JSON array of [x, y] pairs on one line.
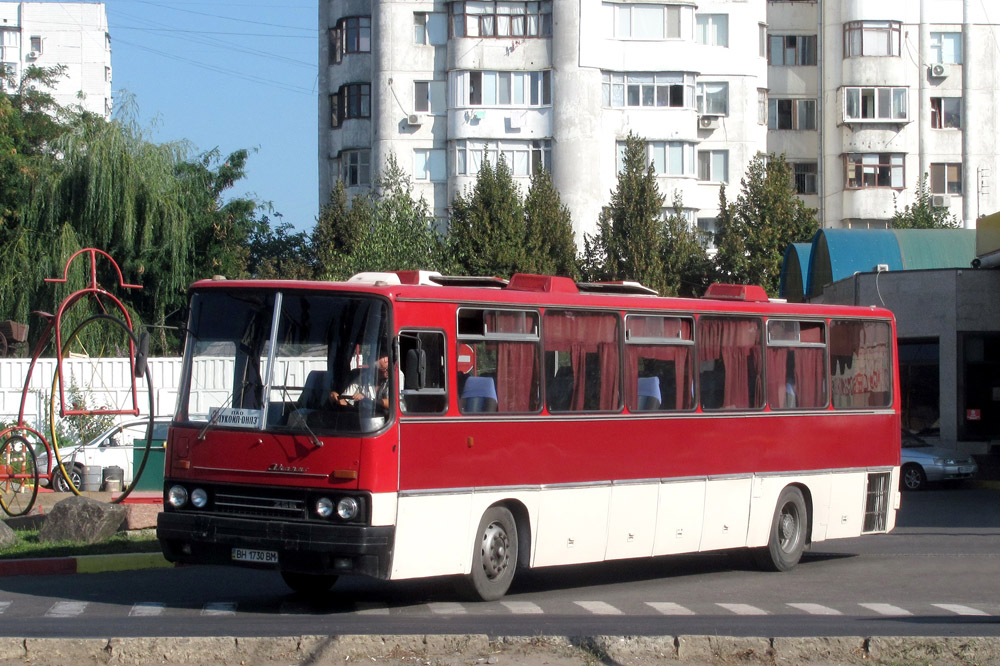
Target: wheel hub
[[494, 551]]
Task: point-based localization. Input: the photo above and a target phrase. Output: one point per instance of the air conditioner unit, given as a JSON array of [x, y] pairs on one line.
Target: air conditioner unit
[[940, 200], [414, 119], [939, 71], [514, 121], [708, 122], [31, 55]]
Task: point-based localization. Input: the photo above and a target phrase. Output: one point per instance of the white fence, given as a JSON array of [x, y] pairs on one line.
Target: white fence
[[105, 382]]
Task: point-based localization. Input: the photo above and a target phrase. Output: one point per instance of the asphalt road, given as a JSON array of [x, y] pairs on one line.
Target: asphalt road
[[937, 574]]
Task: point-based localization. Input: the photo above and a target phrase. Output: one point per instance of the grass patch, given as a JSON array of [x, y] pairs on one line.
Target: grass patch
[[28, 545]]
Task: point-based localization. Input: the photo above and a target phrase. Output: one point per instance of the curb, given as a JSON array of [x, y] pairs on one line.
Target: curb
[[44, 566]]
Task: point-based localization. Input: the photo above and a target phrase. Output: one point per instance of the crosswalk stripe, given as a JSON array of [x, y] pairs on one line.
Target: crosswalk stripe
[[598, 607], [446, 608], [886, 609], [669, 608], [959, 609], [146, 609], [743, 609], [219, 608], [816, 609], [522, 607], [372, 608], [66, 609], [4, 605]]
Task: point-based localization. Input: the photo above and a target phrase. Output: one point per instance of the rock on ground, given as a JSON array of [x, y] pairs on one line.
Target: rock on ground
[[81, 519]]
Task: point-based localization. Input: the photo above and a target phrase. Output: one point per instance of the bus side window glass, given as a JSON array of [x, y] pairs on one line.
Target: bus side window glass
[[582, 364], [422, 372], [659, 363], [730, 363], [497, 361], [860, 364], [796, 364]]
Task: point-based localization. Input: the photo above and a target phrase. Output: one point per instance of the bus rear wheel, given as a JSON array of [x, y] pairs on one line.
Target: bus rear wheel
[[308, 584], [787, 539], [494, 559]]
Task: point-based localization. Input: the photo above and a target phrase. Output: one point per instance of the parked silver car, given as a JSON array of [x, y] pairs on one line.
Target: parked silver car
[[922, 462]]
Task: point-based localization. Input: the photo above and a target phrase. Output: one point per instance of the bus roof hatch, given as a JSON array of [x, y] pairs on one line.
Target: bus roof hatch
[[737, 292]]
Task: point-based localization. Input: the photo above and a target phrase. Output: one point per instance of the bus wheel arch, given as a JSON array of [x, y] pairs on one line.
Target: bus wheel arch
[[789, 533], [496, 552]]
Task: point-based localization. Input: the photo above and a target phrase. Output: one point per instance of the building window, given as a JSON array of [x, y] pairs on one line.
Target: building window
[[713, 99], [524, 158], [669, 158], [875, 104], [429, 165], [872, 38], [351, 101], [762, 39], [706, 232], [36, 43], [946, 112], [805, 177], [791, 50], [650, 22], [946, 178], [791, 114], [713, 166], [866, 170], [853, 223], [501, 19], [648, 89], [355, 167], [518, 89], [946, 47], [712, 29], [430, 97], [762, 106], [352, 34]]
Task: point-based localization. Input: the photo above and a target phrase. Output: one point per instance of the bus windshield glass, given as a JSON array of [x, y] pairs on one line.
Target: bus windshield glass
[[291, 361]]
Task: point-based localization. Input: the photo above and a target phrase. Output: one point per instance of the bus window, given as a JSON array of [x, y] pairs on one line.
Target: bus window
[[796, 367], [730, 359], [659, 363], [860, 364], [498, 361], [582, 367], [422, 372]]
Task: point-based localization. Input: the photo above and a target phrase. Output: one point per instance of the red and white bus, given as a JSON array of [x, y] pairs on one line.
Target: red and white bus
[[530, 423]]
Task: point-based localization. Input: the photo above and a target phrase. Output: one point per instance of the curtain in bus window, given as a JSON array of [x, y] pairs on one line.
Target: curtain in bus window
[[591, 340], [860, 364], [518, 367], [730, 357], [795, 378], [681, 383]]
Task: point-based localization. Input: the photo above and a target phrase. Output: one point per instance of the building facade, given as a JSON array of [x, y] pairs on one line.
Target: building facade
[[72, 34], [862, 97]]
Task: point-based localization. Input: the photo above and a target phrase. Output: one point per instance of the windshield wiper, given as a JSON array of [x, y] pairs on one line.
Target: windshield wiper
[[312, 436]]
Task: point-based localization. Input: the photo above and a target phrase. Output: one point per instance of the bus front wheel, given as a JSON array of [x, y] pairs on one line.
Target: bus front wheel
[[787, 539], [494, 558]]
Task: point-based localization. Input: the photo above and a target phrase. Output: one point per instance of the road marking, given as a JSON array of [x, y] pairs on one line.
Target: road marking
[[371, 608], [446, 608], [816, 609], [219, 608], [4, 605], [66, 609], [146, 609], [523, 607], [886, 609], [959, 609], [743, 609], [669, 608], [598, 607]]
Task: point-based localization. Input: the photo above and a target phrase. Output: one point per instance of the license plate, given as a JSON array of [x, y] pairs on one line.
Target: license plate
[[965, 470], [255, 556]]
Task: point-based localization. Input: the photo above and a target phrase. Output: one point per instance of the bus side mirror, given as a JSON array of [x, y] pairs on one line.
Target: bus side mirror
[[416, 370]]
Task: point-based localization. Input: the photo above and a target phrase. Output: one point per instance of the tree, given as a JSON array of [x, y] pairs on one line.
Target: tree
[[486, 235], [753, 232], [549, 240], [687, 269], [627, 243], [922, 214], [278, 252]]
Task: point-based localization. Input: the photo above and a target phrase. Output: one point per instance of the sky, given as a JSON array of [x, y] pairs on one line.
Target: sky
[[227, 74]]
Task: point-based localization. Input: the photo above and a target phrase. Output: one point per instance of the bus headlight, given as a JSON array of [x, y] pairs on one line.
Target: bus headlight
[[324, 507], [199, 498], [177, 496], [347, 508]]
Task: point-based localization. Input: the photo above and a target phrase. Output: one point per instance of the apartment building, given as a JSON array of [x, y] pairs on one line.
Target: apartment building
[[863, 97], [73, 34]]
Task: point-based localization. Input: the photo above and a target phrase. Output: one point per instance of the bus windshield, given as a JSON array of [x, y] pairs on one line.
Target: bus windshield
[[293, 361]]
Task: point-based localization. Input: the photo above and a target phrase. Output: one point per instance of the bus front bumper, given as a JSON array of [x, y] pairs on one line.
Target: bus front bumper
[[290, 546]]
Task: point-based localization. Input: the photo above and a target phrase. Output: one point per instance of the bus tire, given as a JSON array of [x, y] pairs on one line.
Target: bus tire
[[308, 584], [494, 558], [787, 538]]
